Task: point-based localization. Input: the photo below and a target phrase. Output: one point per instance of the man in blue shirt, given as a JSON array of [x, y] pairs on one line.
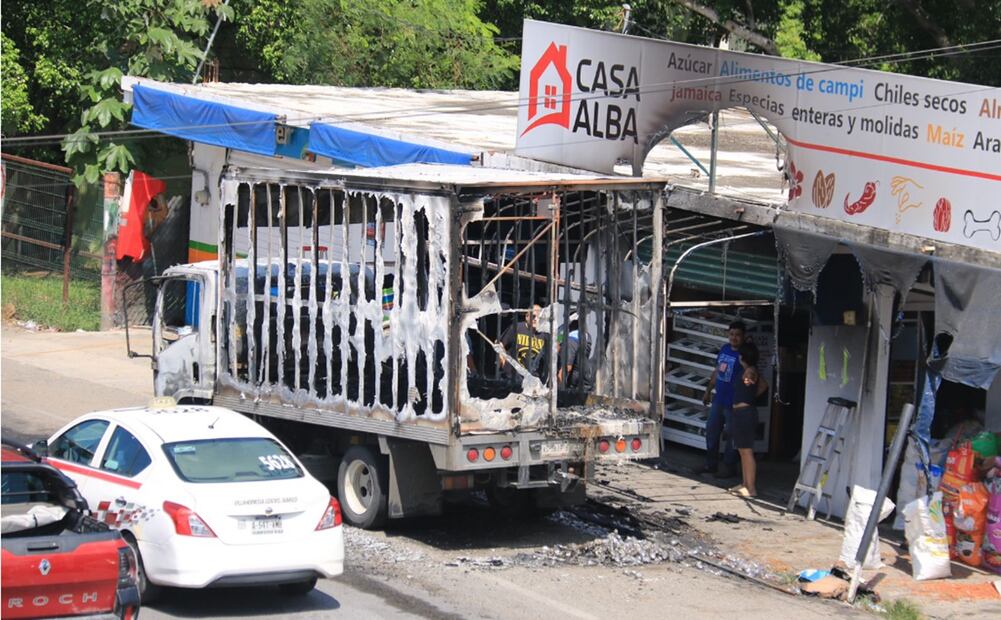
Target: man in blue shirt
[[721, 409]]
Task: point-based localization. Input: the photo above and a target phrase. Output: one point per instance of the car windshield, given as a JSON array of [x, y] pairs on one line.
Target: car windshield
[[243, 459]]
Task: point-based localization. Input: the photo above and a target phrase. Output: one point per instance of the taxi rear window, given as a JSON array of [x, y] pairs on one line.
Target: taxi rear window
[[244, 459]]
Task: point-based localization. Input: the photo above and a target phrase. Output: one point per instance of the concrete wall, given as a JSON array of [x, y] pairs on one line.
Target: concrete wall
[[832, 342]]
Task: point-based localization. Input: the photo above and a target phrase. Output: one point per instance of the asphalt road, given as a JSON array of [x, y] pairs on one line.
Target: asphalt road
[[48, 379], [469, 563]]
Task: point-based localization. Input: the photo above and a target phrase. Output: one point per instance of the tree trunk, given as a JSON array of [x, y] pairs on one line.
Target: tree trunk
[[764, 43]]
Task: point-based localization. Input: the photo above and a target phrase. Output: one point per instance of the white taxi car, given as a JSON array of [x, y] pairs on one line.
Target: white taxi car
[[206, 496]]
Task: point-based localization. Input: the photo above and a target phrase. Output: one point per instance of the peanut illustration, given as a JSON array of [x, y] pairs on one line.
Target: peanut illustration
[[823, 189]]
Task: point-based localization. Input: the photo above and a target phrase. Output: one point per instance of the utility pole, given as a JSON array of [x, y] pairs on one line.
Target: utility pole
[[627, 12]]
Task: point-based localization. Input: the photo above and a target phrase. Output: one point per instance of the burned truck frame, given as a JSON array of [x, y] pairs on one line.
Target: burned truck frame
[[433, 328]]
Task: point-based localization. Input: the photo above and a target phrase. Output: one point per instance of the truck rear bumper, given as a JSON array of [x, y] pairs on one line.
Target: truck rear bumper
[[609, 440]]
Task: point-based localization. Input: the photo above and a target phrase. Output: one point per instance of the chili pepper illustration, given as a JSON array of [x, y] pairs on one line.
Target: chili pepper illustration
[[942, 218], [867, 198]]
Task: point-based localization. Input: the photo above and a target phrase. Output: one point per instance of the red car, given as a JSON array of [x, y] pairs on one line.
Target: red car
[[57, 560]]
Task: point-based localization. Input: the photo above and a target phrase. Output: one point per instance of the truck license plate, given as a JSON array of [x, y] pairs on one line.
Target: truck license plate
[[558, 449], [266, 525]]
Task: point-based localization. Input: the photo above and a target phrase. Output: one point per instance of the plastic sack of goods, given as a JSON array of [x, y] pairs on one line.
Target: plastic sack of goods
[[926, 538], [971, 494], [859, 508]]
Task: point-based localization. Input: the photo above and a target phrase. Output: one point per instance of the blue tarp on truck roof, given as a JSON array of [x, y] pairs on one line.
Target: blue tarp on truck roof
[[200, 120], [231, 126]]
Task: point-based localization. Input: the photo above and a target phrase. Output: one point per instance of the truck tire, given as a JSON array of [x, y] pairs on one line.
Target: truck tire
[[362, 487]]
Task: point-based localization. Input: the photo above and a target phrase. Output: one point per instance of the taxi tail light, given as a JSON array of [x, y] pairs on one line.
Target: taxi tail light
[[187, 522], [331, 516], [127, 568]]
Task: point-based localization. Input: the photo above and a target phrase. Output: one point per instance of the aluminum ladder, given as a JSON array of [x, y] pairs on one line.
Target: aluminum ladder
[[827, 447]]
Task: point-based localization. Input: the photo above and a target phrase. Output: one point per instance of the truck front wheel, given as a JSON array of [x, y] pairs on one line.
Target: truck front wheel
[[362, 485]]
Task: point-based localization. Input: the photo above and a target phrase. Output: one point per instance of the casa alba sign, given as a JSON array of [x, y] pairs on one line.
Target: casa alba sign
[[898, 152]]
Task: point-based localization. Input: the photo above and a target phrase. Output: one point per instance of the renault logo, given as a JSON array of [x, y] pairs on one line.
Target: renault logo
[[44, 567]]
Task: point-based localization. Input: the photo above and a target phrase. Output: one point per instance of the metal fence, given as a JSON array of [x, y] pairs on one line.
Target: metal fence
[[39, 207]]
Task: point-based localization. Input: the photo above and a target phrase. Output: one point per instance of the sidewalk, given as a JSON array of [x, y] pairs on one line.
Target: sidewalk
[[49, 378], [782, 543]]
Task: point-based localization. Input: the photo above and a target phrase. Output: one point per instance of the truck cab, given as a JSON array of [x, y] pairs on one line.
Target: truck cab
[[183, 332]]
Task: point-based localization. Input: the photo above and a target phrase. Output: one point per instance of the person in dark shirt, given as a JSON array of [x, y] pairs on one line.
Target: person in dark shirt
[[523, 342], [743, 424], [721, 403], [570, 374]]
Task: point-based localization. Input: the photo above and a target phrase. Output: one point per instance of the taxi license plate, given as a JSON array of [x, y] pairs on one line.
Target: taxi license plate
[[266, 525]]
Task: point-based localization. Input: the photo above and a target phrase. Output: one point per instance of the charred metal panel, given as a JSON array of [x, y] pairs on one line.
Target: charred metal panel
[[402, 306], [561, 299], [335, 299]]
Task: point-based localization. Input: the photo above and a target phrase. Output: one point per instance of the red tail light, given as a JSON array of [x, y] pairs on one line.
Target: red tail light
[[603, 446], [331, 516], [186, 521], [637, 443], [472, 455], [506, 452]]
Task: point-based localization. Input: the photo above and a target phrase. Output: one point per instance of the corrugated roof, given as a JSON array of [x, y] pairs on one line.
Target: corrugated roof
[[487, 121]]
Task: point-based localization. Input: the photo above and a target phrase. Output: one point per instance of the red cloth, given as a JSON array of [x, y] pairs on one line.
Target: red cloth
[[132, 241]]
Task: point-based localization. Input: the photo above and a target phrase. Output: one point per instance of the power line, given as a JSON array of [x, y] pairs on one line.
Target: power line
[[977, 47]]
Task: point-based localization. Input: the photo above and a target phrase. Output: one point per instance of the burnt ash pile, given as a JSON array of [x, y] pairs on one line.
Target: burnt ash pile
[[612, 550]]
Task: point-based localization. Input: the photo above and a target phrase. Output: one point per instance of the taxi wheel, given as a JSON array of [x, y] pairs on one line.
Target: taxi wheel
[[299, 588], [362, 487], [148, 592]]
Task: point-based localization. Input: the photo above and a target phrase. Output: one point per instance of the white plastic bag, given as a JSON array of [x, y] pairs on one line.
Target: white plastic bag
[[912, 483], [855, 520], [926, 538]]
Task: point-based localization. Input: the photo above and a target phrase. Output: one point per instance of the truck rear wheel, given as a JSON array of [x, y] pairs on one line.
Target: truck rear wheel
[[362, 486]]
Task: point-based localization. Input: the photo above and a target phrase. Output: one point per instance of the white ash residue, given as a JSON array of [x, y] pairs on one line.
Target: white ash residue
[[612, 550], [491, 562], [358, 543]]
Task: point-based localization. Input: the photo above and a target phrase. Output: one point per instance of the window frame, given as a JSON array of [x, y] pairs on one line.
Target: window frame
[[101, 464], [97, 447]]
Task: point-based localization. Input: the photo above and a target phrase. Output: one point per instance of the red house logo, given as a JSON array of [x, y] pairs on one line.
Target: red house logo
[[550, 75]]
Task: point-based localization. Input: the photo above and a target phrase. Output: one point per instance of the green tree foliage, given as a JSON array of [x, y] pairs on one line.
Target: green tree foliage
[[790, 33], [842, 30], [18, 115], [75, 52], [158, 39], [846, 30], [404, 43]]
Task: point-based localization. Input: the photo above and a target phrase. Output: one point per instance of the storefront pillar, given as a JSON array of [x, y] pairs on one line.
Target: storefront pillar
[[871, 422]]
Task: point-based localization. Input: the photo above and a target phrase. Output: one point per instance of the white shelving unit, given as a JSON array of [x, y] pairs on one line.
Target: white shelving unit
[[697, 337]]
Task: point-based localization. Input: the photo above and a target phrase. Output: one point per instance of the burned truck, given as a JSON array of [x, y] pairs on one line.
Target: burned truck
[[427, 329]]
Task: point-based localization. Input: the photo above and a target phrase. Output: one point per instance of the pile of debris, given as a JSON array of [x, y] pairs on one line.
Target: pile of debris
[[612, 550]]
